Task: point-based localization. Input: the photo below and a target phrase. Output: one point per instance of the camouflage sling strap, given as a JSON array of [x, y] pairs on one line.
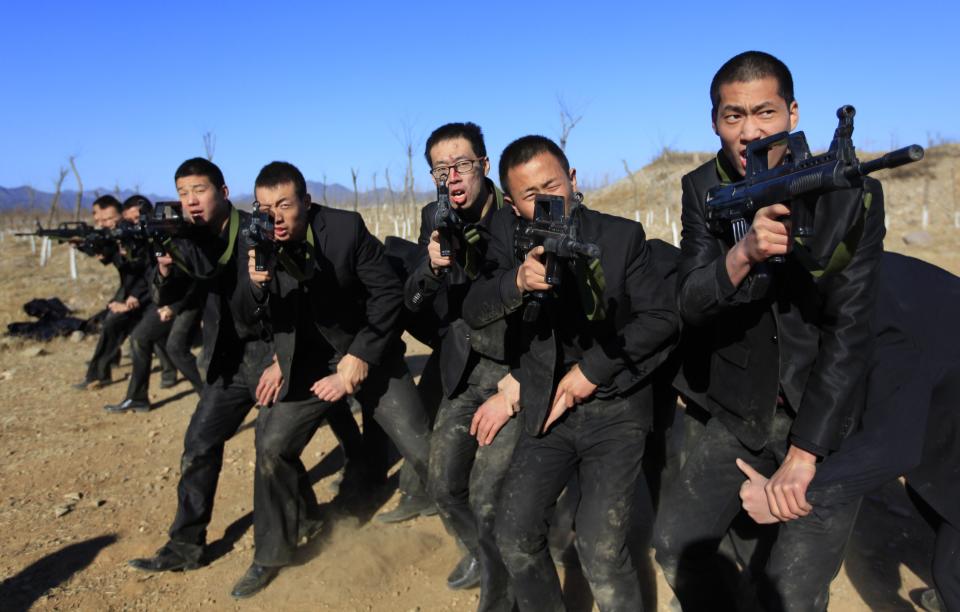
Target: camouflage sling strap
[[233, 229]]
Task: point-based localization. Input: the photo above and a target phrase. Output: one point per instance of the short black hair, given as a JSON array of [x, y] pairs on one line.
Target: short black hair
[[751, 66], [138, 201], [522, 150], [470, 131], [281, 172], [108, 201], [199, 166]]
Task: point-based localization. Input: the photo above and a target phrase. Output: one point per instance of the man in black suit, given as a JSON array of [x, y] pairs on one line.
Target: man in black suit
[[780, 359], [332, 304], [234, 355], [158, 331], [126, 306], [583, 359], [911, 419], [472, 441]]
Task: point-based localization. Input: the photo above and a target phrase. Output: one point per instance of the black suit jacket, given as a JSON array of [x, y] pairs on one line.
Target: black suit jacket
[[440, 299], [230, 316], [912, 418], [354, 294], [619, 352], [135, 272], [809, 335]]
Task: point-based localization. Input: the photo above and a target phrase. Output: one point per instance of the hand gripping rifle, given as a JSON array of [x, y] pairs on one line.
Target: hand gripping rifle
[[731, 207], [447, 221], [557, 232], [258, 234], [86, 238]]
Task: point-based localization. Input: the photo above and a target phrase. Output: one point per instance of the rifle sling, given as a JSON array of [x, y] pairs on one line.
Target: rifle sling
[[233, 229]]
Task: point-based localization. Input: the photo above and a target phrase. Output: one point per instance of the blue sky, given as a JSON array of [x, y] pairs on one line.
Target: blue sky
[[131, 87]]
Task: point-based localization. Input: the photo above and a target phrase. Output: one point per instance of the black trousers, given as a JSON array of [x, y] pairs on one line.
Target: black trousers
[[389, 397], [116, 327], [222, 408], [174, 336], [430, 389], [697, 509], [465, 479], [602, 443]]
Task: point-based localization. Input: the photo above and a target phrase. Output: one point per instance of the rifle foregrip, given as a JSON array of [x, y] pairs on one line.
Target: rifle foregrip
[[258, 260]]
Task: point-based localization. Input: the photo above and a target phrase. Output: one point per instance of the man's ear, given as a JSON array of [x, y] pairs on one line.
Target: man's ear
[[307, 201], [573, 178], [226, 192], [794, 115], [486, 166], [508, 200]]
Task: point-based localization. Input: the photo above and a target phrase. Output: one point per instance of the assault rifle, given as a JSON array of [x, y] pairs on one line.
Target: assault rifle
[[731, 207], [554, 229], [86, 238], [165, 222], [258, 234], [447, 220]]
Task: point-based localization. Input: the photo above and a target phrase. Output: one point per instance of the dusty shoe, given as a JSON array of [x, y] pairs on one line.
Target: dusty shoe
[[88, 385], [930, 601], [165, 560], [129, 404], [167, 381], [408, 508], [466, 575], [254, 581]]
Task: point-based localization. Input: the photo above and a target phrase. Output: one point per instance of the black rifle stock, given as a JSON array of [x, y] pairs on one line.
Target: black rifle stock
[[166, 222], [554, 229], [731, 207]]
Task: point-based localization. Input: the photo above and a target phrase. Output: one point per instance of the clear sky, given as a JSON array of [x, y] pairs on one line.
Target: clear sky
[[131, 87]]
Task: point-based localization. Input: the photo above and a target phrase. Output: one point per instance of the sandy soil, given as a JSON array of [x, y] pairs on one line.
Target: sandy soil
[[112, 480]]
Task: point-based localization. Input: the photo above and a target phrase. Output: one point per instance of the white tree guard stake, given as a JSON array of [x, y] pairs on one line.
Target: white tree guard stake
[[73, 263], [666, 215], [676, 234], [956, 219], [396, 227], [649, 218], [33, 245], [43, 251], [636, 215], [376, 230], [925, 217]]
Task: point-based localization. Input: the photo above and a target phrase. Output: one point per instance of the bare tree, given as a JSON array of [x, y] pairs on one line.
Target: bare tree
[[56, 195], [376, 195], [323, 191], [390, 193], [356, 194], [568, 120], [209, 144], [633, 182], [73, 166]]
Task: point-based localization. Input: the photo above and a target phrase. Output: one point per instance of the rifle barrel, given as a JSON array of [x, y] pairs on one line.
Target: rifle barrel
[[906, 155]]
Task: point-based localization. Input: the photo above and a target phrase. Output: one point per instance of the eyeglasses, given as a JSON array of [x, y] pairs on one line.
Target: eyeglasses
[[464, 166]]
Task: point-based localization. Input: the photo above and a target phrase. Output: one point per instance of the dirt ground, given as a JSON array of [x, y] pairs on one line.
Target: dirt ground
[[83, 491]]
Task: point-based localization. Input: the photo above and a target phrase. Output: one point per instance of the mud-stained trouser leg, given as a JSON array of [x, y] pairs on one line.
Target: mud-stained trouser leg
[[220, 412], [538, 472], [390, 397], [149, 330], [279, 501], [486, 481], [695, 512], [610, 443], [178, 345]]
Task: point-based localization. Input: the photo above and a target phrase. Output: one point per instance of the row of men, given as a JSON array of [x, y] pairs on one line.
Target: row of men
[[546, 382]]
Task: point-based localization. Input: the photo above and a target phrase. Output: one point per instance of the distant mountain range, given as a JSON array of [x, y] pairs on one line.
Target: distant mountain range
[[23, 198]]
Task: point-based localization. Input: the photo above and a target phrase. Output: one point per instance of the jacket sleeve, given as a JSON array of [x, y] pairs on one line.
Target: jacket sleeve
[[846, 337], [384, 298], [704, 289], [494, 294], [423, 284], [651, 329]]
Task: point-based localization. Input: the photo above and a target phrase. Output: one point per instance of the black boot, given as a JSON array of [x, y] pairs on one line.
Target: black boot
[[466, 575], [408, 508], [165, 560], [254, 581]]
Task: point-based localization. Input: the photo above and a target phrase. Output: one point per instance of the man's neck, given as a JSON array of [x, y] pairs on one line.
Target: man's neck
[[473, 213], [220, 223]]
